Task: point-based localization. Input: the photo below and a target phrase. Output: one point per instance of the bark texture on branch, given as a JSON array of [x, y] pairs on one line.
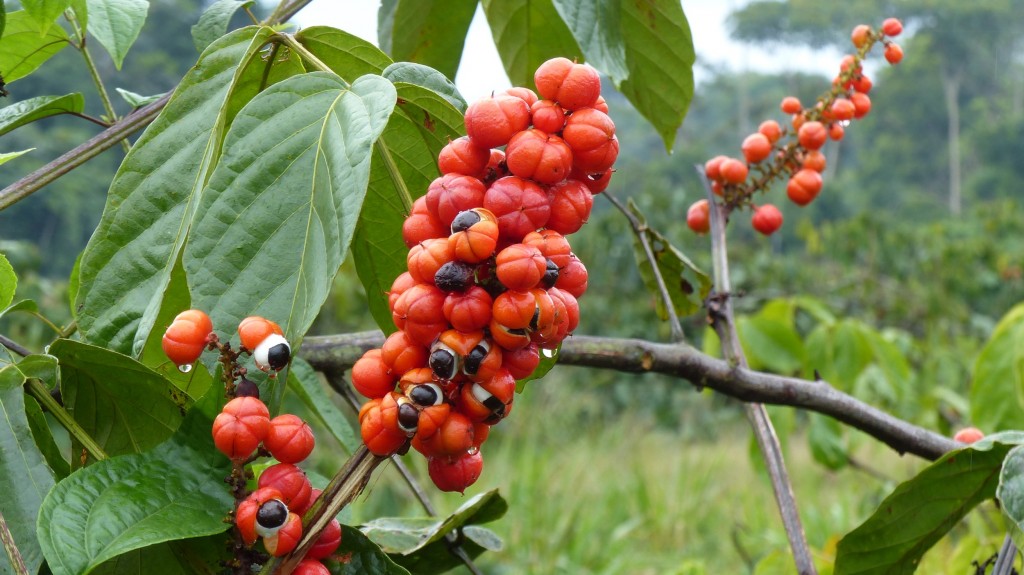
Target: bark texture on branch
[[685, 362]]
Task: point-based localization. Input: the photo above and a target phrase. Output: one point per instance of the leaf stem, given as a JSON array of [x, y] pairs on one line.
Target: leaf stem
[[722, 320], [640, 230], [1005, 560], [96, 121], [301, 50], [37, 390], [94, 72], [81, 154], [7, 539]]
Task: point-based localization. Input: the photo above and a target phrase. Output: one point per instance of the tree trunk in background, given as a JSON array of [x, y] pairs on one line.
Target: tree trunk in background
[[951, 90]]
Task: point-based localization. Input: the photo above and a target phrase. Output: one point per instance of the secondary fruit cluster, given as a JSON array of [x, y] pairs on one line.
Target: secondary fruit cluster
[[492, 279], [794, 152], [244, 431]]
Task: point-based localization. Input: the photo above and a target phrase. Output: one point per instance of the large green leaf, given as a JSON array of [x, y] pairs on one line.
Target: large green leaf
[[361, 556], [404, 164], [44, 12], [125, 406], [213, 23], [303, 382], [687, 285], [278, 215], [118, 505], [25, 478], [3, 18], [528, 33], [24, 49], [431, 32], [116, 24], [997, 392], [347, 55], [26, 111], [1010, 492], [427, 77], [8, 282], [923, 509], [126, 267], [645, 48], [189, 557], [419, 544]]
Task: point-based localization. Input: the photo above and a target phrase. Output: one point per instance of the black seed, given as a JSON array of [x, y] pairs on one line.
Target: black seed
[[272, 514], [454, 276], [442, 363], [495, 405], [464, 220], [425, 395], [471, 364], [246, 388], [278, 356], [550, 275], [408, 417]]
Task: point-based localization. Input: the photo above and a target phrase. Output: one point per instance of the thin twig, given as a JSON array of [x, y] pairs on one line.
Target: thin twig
[[15, 346], [1007, 557], [11, 548], [346, 485], [723, 322], [83, 49], [338, 384], [640, 229], [96, 121], [686, 362]]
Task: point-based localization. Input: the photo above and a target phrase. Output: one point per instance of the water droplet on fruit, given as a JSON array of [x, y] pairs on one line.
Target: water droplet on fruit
[[548, 353], [185, 368]]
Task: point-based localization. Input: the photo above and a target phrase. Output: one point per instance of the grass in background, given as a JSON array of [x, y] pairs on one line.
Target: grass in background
[[597, 493]]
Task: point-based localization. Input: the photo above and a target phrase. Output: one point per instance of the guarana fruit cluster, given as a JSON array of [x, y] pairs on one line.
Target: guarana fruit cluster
[[774, 152], [492, 279], [244, 431]]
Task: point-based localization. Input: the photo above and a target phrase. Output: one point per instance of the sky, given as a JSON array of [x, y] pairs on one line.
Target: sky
[[480, 72]]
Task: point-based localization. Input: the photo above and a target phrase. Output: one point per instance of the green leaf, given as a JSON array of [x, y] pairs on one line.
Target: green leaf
[[426, 77], [27, 111], [118, 505], [997, 392], [431, 32], [647, 50], [44, 12], [214, 22], [827, 441], [771, 343], [47, 445], [116, 24], [527, 33], [3, 18], [4, 158], [24, 48], [404, 163], [81, 11], [278, 215], [189, 557], [152, 199], [24, 476], [137, 100], [362, 556], [419, 544], [304, 382], [347, 55], [923, 509], [125, 406], [687, 285], [8, 283], [1010, 492]]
